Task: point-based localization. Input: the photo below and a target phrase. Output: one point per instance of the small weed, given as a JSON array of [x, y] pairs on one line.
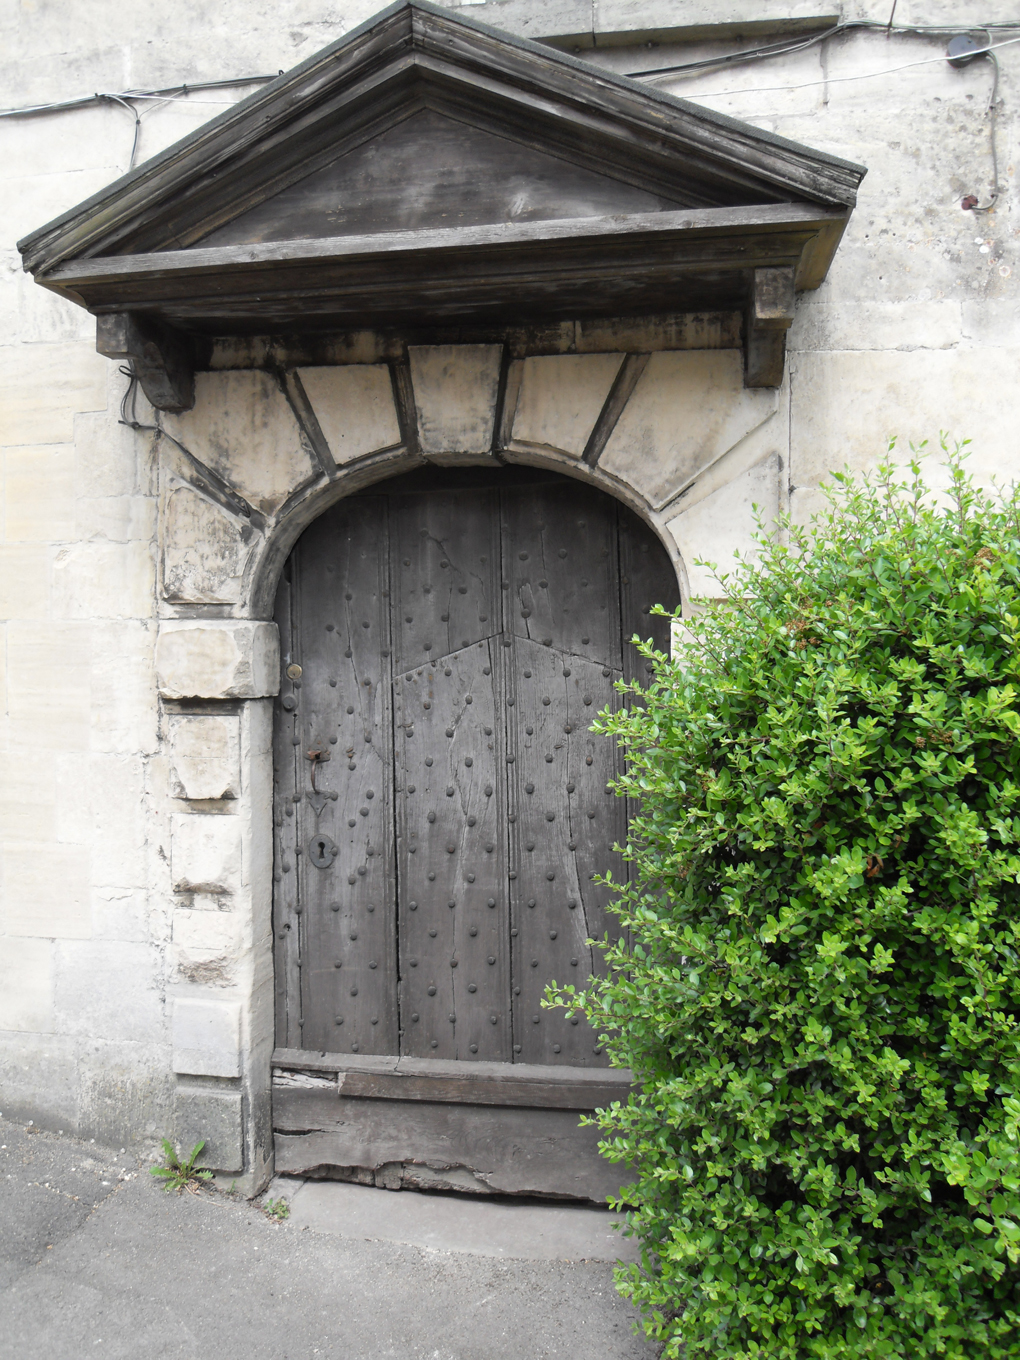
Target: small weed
[[276, 1209], [178, 1175]]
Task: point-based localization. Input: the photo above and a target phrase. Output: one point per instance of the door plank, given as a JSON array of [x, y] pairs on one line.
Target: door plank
[[510, 1151], [478, 1083], [560, 559], [286, 904], [341, 619], [454, 964], [445, 560], [534, 1094], [565, 822]]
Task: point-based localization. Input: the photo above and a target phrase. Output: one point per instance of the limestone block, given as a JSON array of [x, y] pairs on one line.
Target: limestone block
[[688, 409], [109, 455], [38, 499], [98, 580], [46, 889], [242, 427], [109, 989], [992, 321], [206, 946], [205, 756], [124, 711], [91, 145], [205, 854], [26, 985], [34, 315], [25, 572], [48, 691], [26, 802], [204, 549], [805, 503], [217, 659], [561, 397], [42, 387], [354, 406], [44, 189], [212, 1117], [723, 524], [219, 931], [207, 1037], [120, 821], [860, 323], [118, 518], [847, 406], [455, 389], [126, 1090], [121, 914], [73, 813]]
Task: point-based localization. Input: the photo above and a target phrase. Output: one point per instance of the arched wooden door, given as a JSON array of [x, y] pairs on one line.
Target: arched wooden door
[[442, 810]]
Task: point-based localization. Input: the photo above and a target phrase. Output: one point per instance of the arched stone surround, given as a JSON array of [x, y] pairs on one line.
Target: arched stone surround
[[655, 414]]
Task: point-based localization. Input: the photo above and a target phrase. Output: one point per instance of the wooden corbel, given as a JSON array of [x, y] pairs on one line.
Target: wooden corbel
[[160, 357], [768, 318]]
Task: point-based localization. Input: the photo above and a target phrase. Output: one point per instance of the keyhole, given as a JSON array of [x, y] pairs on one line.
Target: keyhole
[[322, 850]]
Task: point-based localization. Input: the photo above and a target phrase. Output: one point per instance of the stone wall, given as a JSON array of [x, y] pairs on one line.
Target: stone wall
[[135, 958]]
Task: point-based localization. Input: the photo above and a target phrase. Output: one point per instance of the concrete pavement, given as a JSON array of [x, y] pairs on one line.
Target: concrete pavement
[[97, 1261]]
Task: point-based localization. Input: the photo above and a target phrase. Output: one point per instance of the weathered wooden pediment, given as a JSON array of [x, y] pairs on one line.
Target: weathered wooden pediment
[[427, 169], [433, 171]]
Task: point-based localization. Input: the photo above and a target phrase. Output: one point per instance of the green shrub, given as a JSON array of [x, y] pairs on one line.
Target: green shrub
[[820, 995]]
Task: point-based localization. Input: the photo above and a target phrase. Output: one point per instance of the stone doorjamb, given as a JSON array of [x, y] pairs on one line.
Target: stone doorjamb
[[672, 432]]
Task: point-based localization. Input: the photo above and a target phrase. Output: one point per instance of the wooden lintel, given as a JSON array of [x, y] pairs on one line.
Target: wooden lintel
[[160, 357]]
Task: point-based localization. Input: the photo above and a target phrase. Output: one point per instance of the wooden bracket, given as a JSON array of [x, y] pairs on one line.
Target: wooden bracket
[[160, 357], [768, 318]]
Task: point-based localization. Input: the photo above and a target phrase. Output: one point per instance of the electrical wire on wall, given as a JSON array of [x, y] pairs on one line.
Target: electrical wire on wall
[[962, 49], [126, 100], [784, 47], [993, 108]]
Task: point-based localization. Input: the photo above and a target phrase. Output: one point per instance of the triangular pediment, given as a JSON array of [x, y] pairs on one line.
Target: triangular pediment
[[432, 171], [419, 108], [428, 170]]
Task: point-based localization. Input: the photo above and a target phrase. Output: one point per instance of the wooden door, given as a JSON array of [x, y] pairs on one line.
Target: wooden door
[[442, 810]]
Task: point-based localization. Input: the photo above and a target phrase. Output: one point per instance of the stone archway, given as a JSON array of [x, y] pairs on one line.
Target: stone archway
[[264, 453]]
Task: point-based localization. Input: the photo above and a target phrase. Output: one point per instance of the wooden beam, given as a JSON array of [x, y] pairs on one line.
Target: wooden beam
[[772, 300], [687, 260], [474, 1083], [160, 358], [468, 1147], [769, 317], [734, 224]]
